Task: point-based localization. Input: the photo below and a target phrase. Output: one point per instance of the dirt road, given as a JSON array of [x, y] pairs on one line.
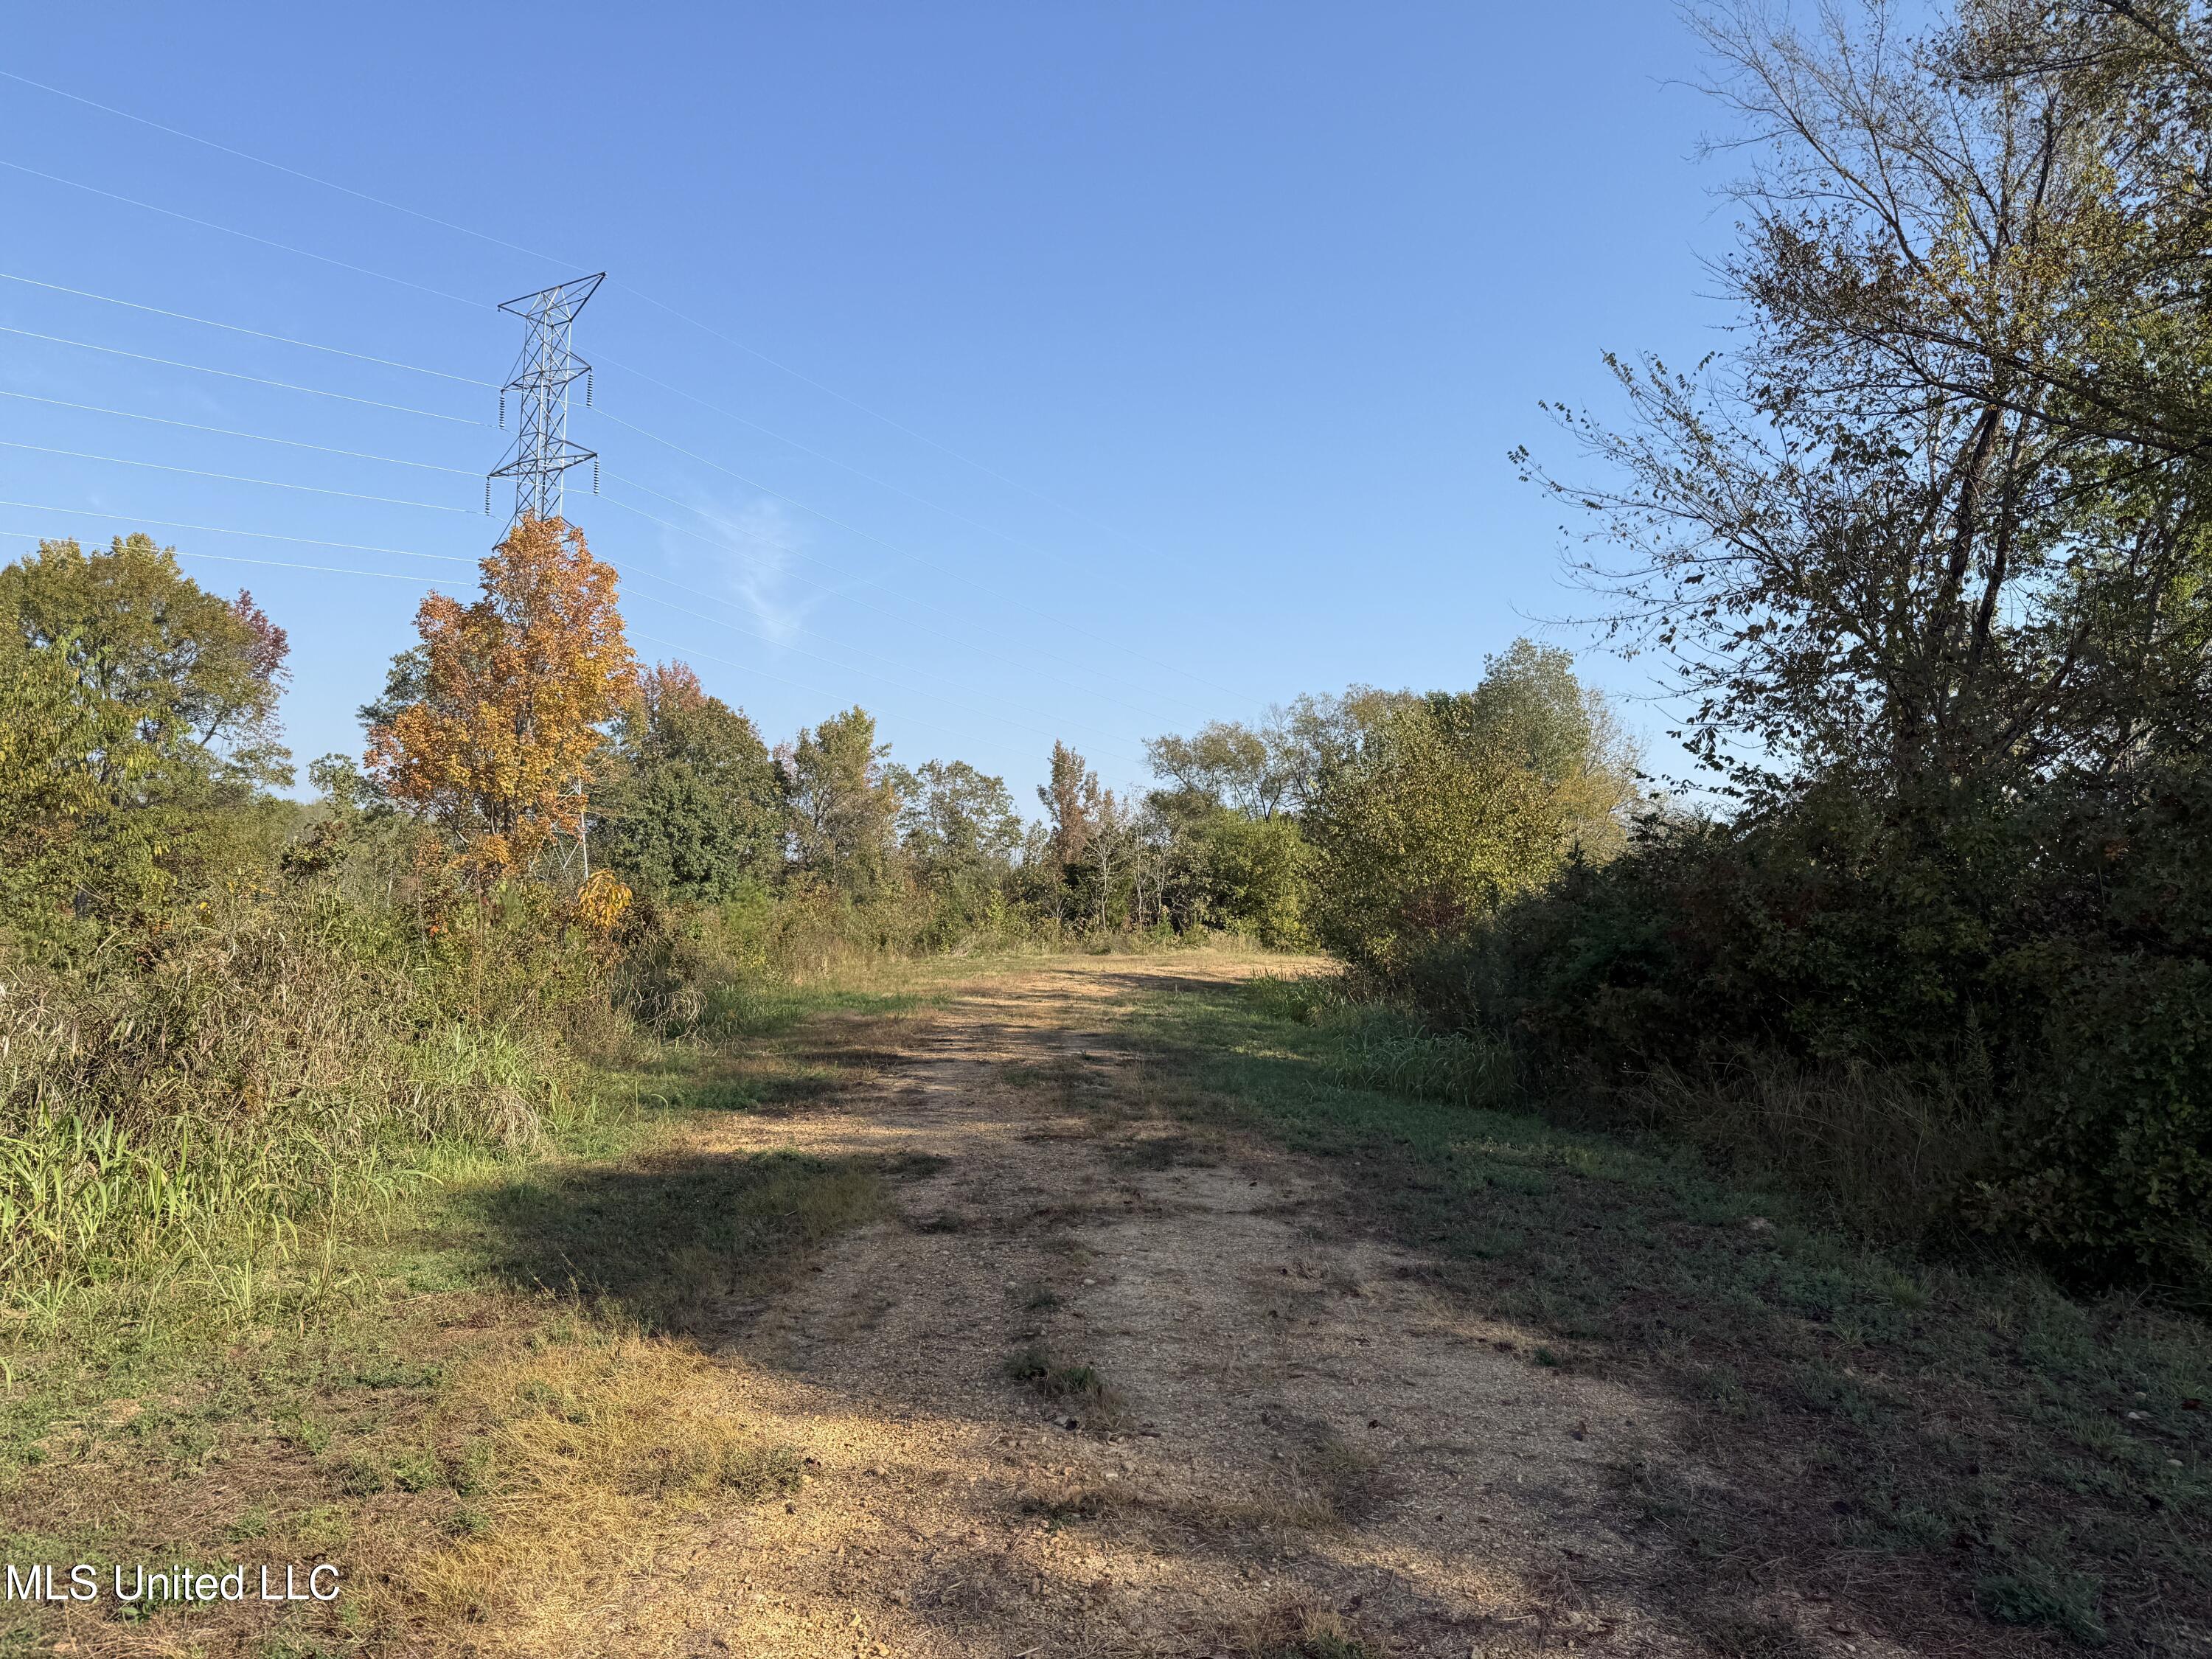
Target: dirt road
[[1104, 1386]]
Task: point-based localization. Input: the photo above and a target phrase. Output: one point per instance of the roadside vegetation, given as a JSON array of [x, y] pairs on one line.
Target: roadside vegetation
[[1961, 1441], [1857, 1090]]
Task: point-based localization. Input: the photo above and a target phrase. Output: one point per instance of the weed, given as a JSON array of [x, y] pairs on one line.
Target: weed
[[418, 1472], [363, 1474], [254, 1523], [1299, 1626], [1064, 1385], [2031, 1593]]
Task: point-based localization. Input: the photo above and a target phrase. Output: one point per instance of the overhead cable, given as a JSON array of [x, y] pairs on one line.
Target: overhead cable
[[230, 432], [239, 328], [230, 477], [659, 304], [232, 374], [231, 230], [224, 529]]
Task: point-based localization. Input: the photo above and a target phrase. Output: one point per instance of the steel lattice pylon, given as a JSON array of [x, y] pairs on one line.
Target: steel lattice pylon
[[542, 375]]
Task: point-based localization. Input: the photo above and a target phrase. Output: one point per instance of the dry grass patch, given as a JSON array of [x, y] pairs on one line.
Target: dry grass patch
[[1298, 1625], [600, 1450], [1069, 1388]]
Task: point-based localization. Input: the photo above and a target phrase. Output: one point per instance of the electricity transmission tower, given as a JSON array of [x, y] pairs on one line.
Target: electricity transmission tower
[[542, 375]]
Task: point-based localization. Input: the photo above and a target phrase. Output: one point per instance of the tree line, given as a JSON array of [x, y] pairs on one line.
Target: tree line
[[1926, 555], [519, 741]]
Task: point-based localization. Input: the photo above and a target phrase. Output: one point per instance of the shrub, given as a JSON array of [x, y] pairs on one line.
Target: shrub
[[1992, 1012], [272, 1055]]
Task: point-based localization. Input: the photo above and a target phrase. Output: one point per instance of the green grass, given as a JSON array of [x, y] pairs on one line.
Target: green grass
[[312, 1381], [1951, 1434]]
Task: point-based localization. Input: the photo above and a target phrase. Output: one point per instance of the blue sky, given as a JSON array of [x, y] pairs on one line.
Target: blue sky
[[1080, 371]]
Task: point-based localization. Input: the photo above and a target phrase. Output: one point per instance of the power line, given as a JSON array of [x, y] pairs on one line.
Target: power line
[[659, 304], [223, 530], [230, 477], [229, 230], [672, 311], [236, 328], [324, 569], [232, 374], [259, 161], [230, 432], [233, 558]]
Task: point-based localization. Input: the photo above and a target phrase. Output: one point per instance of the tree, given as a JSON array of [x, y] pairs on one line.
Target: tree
[[137, 719], [1429, 813], [1313, 733], [1420, 833], [492, 727], [1110, 846], [1070, 802], [694, 806], [196, 677], [957, 825], [1939, 526], [842, 804], [1226, 762], [1255, 874], [1534, 709]]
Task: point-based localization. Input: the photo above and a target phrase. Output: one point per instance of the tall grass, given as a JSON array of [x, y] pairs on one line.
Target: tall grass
[[1877, 1148], [1381, 1044], [282, 1058]]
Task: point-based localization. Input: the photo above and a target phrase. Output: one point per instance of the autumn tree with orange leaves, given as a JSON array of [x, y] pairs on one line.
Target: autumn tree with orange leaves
[[491, 726]]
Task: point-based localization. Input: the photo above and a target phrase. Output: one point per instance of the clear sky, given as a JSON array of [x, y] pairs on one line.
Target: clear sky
[[1090, 370]]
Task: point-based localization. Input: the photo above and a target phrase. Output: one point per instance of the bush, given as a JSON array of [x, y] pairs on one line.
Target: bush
[[273, 1054], [1993, 1012]]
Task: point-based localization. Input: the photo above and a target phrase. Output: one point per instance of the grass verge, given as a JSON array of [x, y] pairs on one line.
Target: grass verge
[[1977, 1460], [482, 1403]]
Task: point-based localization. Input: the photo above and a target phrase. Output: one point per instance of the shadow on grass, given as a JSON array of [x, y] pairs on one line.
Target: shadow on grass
[[776, 1010], [1971, 1446], [675, 1243]]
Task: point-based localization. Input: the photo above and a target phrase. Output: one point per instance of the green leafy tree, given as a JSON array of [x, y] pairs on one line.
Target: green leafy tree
[[1420, 832], [139, 715], [843, 807], [1256, 875], [694, 808], [198, 677], [1429, 813], [1228, 763], [957, 826]]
